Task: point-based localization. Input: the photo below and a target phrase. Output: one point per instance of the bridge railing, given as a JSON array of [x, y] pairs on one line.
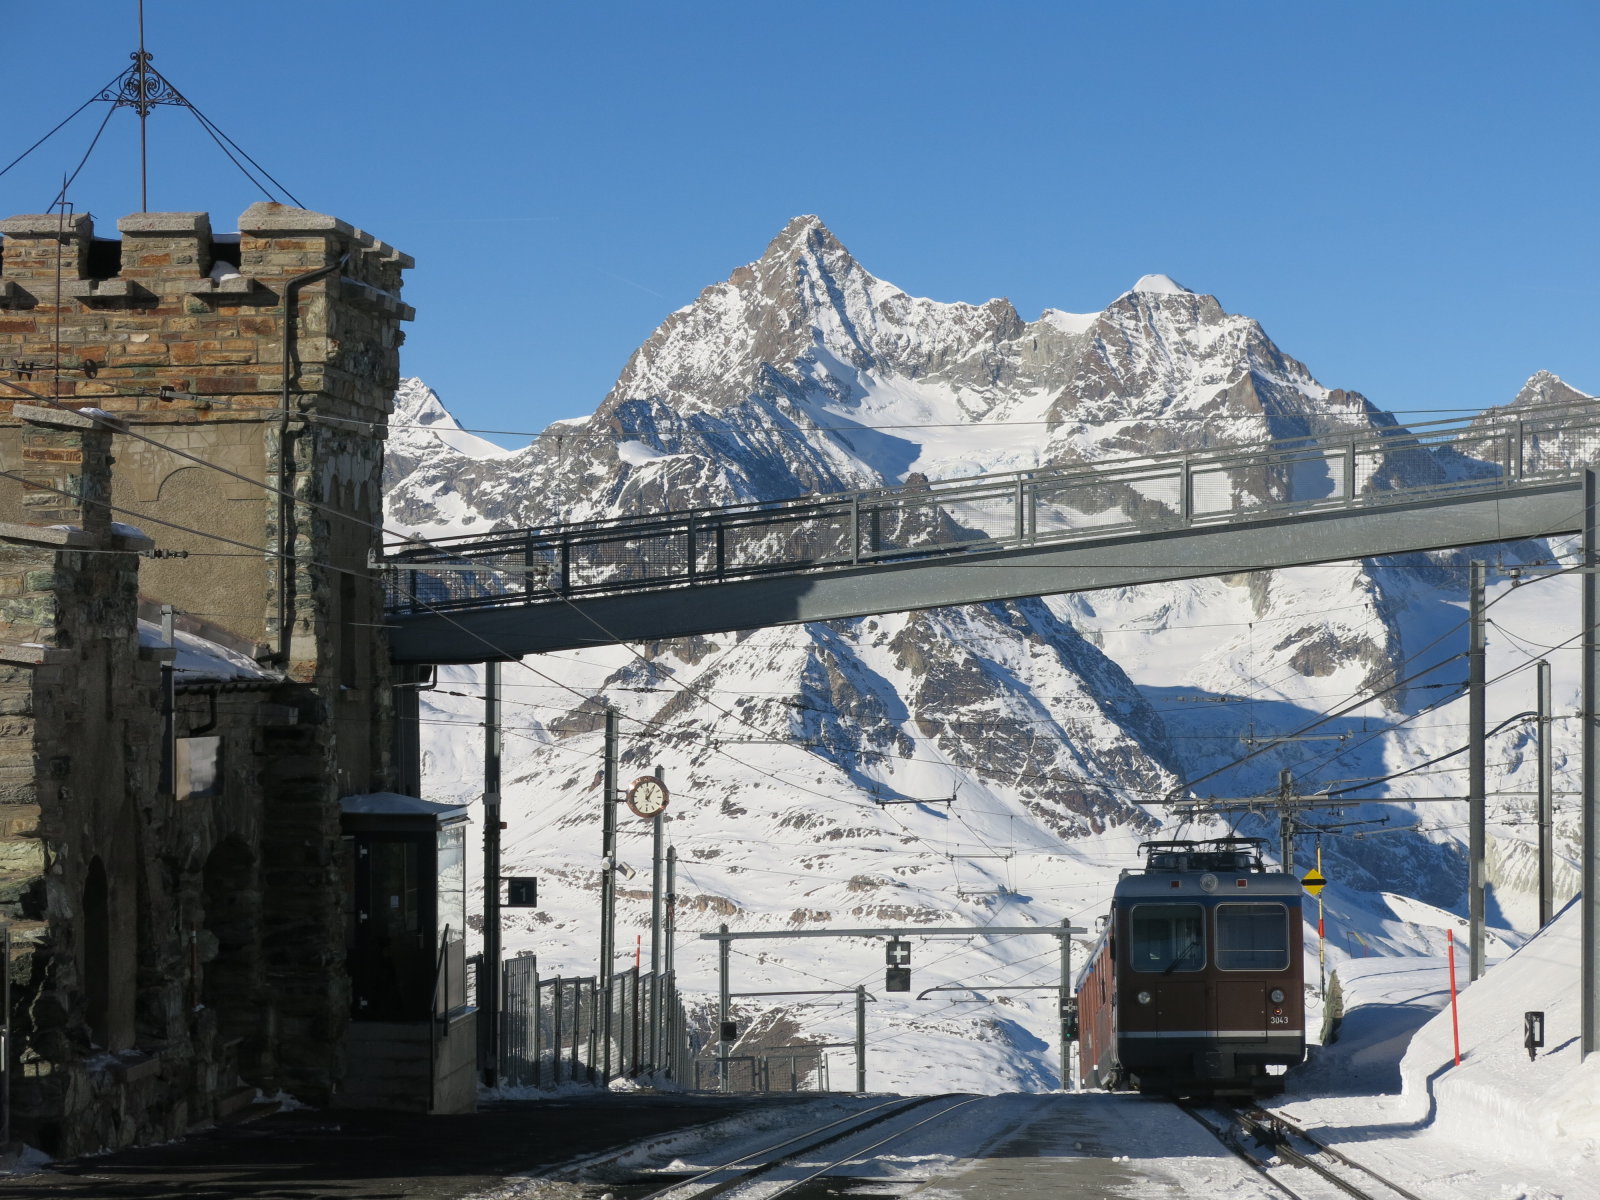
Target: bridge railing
[[989, 512]]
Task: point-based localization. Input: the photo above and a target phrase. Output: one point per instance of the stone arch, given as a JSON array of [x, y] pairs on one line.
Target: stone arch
[[229, 592]]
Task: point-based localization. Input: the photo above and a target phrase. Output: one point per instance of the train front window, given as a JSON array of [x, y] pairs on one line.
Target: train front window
[[1167, 938], [1252, 937]]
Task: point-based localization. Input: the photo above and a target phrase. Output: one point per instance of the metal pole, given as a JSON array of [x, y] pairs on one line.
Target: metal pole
[[724, 1005], [1064, 1001], [1286, 821], [1546, 800], [1590, 952], [608, 887], [1476, 784], [5, 1043], [670, 920], [143, 108], [489, 1002], [669, 930], [1322, 944], [656, 824], [555, 1034], [861, 1038]]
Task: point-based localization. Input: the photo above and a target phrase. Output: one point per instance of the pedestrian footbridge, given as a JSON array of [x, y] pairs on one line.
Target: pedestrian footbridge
[[992, 537]]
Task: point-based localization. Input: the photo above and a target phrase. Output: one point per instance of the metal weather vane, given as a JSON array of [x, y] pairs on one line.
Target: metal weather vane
[[142, 88]]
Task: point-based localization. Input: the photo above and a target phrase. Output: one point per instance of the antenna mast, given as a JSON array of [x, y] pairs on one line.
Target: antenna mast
[[142, 64], [142, 87]]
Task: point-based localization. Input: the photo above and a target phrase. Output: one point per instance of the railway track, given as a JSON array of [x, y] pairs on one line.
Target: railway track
[[797, 1151], [1281, 1151]]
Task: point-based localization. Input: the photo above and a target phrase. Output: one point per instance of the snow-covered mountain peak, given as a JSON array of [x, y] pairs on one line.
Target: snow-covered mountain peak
[[1546, 387], [421, 422], [802, 232], [1160, 285]]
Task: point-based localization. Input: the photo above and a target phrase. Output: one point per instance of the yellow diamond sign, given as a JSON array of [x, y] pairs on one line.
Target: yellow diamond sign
[[1314, 881]]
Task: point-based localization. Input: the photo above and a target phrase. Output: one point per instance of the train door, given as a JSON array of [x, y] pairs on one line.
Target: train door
[[1166, 956], [1252, 945]]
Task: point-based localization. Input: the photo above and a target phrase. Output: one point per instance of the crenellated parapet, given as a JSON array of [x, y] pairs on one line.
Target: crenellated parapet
[[174, 320]]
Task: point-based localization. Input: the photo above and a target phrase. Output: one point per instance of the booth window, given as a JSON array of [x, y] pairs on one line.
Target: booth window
[[453, 916]]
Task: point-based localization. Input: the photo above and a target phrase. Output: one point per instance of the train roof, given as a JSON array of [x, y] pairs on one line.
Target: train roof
[[1199, 885], [1210, 854]]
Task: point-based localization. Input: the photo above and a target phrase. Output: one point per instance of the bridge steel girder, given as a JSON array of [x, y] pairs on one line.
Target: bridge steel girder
[[1332, 535]]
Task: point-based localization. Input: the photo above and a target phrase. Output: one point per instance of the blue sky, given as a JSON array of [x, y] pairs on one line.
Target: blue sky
[[1402, 193]]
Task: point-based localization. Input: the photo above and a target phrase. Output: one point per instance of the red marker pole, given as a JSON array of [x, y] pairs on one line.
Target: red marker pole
[[1455, 1026]]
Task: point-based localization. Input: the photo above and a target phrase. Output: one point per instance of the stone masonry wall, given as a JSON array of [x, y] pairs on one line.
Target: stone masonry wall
[[80, 757], [193, 359]]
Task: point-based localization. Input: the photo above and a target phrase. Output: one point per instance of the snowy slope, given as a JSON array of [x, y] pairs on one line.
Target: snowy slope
[[1055, 724], [1500, 1123]]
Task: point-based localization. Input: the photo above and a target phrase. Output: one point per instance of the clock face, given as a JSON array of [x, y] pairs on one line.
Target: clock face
[[647, 796]]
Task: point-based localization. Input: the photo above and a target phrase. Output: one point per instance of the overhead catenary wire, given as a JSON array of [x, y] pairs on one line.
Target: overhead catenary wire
[[581, 695], [568, 433], [1369, 697], [671, 678], [687, 687], [1363, 739]]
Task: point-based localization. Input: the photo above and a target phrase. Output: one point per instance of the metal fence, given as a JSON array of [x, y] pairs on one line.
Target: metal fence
[[1337, 468], [557, 1030], [799, 1071]]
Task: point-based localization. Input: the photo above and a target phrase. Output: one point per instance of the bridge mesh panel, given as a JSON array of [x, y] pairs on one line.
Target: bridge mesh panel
[[1107, 503], [786, 540], [624, 559], [478, 578]]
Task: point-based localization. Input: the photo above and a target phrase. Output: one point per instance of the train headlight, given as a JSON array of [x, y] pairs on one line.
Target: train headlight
[[1276, 995], [1143, 997]]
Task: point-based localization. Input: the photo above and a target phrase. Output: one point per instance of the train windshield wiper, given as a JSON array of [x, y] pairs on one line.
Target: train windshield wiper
[[1192, 944]]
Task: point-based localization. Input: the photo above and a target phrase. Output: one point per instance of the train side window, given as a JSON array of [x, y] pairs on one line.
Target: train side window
[[1166, 938], [1252, 937]]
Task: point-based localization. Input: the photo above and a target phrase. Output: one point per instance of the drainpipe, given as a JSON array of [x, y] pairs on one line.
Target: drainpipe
[[285, 458]]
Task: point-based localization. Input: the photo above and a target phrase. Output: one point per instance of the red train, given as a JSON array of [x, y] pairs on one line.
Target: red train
[[1195, 987]]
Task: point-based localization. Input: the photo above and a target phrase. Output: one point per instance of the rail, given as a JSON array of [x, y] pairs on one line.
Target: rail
[[944, 518]]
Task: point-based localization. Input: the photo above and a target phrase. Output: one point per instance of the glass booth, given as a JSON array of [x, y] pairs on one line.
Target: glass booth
[[405, 906]]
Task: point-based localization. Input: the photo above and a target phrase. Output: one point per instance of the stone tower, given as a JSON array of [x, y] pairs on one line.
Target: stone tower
[[177, 884]]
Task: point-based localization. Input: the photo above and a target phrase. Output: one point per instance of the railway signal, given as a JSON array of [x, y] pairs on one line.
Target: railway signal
[[1314, 881], [897, 954]]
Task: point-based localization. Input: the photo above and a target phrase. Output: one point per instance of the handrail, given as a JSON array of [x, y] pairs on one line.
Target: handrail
[[441, 971], [1242, 451], [438, 1020], [1176, 489]]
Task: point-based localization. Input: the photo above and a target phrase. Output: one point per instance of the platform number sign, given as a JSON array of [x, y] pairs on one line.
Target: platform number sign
[[897, 954], [522, 891]]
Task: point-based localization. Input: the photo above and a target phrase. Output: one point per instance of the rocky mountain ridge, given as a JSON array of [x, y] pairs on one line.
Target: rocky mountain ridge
[[1053, 725]]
